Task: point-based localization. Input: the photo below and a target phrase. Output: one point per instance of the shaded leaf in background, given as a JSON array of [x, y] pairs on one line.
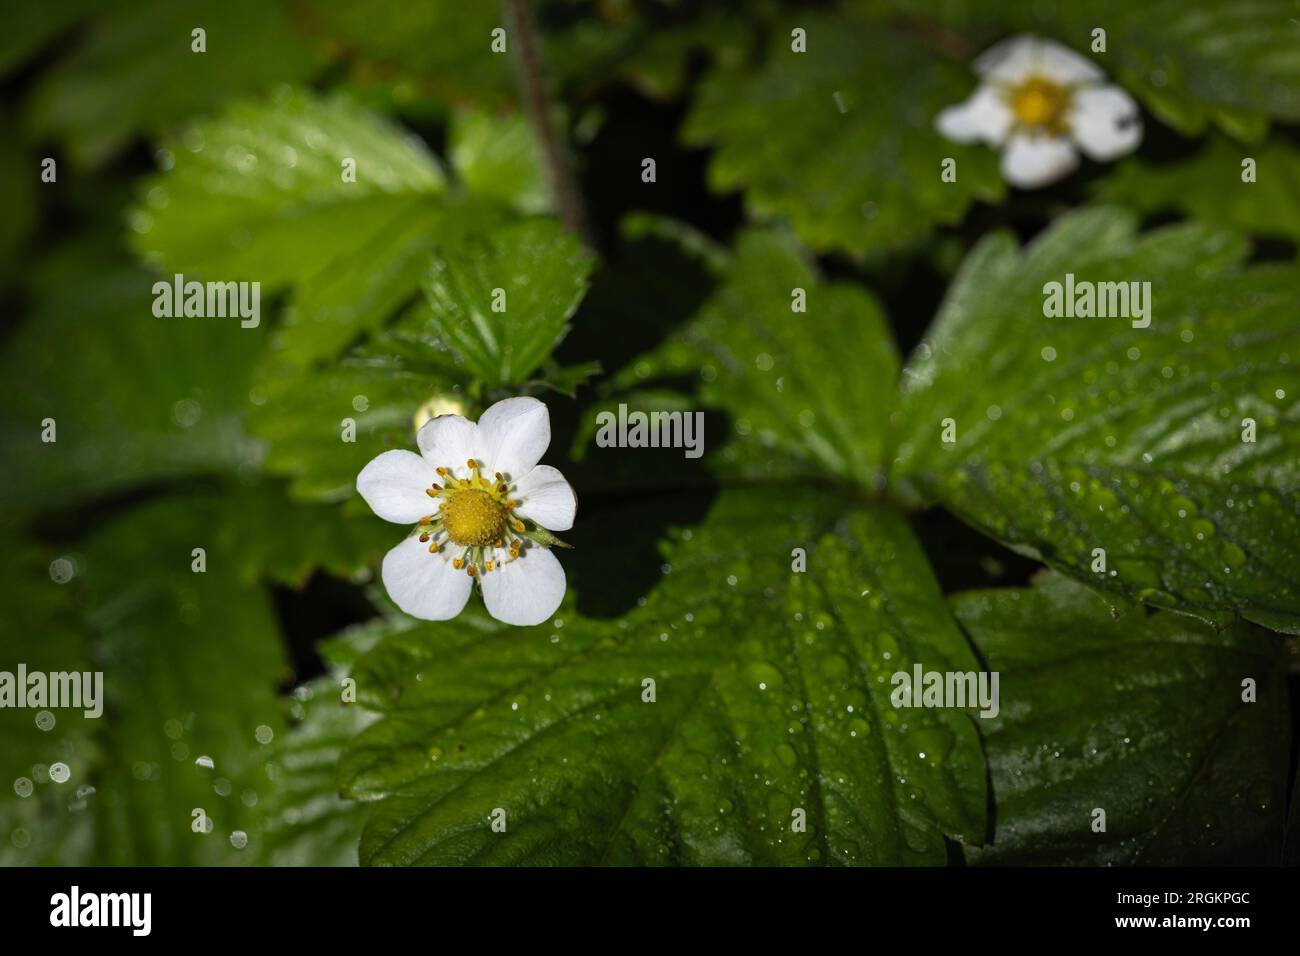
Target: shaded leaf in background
[[31, 26], [823, 139], [306, 822], [789, 711], [136, 72], [1191, 62], [191, 667], [446, 43], [51, 825], [1081, 433], [1237, 64], [304, 418], [20, 200], [286, 541], [1208, 186], [1141, 717], [134, 397], [777, 373]]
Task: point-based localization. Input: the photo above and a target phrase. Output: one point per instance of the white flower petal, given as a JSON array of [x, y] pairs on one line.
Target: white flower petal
[[425, 585], [985, 116], [525, 591], [448, 441], [393, 485], [545, 497], [1029, 162], [1067, 66], [1105, 123], [513, 435], [1014, 59], [1009, 60]]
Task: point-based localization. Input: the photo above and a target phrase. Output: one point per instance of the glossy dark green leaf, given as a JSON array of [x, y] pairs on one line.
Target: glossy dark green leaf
[[1138, 715], [138, 398], [306, 821], [1197, 61], [1079, 434], [262, 192], [1209, 186], [501, 300], [448, 45], [828, 141], [770, 349], [497, 155], [191, 666], [43, 822], [750, 723], [328, 198], [137, 72], [1191, 62], [30, 26], [324, 426]]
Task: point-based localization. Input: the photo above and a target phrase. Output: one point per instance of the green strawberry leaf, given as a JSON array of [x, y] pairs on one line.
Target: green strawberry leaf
[[1138, 715], [553, 724], [306, 822], [501, 300], [137, 72], [1191, 62], [1197, 61], [777, 372], [44, 822], [323, 427], [266, 193], [498, 156], [449, 45], [1209, 187], [1080, 435], [191, 664], [30, 27], [263, 191], [820, 138], [139, 398]]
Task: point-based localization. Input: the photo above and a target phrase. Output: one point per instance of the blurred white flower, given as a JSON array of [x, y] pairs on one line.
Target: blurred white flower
[[1041, 103], [492, 510]]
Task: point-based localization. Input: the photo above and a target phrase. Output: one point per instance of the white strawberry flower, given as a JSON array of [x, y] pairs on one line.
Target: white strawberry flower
[[483, 510], [1041, 103]]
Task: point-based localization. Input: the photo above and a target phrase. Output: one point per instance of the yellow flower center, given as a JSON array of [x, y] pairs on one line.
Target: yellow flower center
[[475, 514], [473, 518], [1041, 103]]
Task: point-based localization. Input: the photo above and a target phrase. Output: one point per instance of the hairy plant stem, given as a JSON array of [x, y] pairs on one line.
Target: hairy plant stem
[[535, 94]]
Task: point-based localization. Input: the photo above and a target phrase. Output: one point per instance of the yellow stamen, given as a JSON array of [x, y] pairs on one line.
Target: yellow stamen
[[474, 518], [1041, 103]]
